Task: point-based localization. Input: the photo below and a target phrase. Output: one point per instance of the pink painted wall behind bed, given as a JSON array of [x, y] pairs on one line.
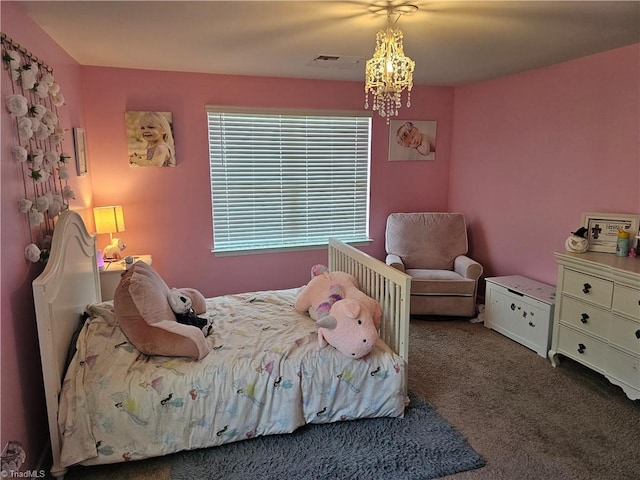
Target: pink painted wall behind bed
[[168, 210], [527, 154]]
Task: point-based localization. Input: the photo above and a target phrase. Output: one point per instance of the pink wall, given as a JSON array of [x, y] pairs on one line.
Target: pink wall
[[22, 396], [532, 151], [168, 210]]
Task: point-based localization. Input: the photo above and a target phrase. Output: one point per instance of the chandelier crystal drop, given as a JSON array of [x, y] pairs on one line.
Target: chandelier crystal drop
[[388, 74]]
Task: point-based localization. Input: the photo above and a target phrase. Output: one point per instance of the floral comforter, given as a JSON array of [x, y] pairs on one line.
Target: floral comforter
[[265, 375]]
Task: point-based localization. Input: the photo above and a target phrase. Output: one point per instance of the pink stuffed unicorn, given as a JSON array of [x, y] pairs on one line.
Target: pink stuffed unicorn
[[347, 318]]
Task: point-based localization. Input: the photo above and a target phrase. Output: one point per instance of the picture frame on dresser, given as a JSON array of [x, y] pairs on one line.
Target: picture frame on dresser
[[602, 229]]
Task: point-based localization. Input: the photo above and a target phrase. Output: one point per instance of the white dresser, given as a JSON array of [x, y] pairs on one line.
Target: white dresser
[[597, 316], [521, 309]]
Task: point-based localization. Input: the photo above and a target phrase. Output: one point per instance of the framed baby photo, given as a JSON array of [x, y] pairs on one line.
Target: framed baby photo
[[150, 139], [412, 140]]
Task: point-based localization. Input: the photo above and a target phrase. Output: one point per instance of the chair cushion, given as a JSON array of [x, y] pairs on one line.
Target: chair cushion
[[440, 282], [426, 240]]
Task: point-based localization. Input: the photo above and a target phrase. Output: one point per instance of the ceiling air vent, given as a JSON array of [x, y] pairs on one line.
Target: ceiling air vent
[[336, 61]]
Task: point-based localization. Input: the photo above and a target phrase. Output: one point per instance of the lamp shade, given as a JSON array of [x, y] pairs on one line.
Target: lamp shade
[[109, 219]]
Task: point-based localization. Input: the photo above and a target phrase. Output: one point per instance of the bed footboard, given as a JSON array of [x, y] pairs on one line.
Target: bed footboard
[[390, 287]]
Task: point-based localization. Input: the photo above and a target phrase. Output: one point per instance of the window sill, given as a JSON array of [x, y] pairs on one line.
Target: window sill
[[258, 251]]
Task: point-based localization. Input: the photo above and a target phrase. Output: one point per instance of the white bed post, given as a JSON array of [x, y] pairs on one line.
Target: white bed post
[[69, 283], [389, 286]]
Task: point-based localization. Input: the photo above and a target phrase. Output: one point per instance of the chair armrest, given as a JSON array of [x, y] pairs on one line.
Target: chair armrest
[[467, 267], [395, 261]]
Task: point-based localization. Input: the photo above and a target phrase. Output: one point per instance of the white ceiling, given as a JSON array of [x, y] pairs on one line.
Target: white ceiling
[[452, 42]]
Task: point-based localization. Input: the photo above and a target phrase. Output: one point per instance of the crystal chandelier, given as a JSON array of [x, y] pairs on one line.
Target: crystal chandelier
[[389, 72]]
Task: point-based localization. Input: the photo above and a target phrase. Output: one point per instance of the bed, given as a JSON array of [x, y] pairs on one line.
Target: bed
[[110, 403]]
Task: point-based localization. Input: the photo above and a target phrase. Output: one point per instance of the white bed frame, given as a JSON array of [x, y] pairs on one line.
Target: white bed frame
[[389, 286], [71, 281]]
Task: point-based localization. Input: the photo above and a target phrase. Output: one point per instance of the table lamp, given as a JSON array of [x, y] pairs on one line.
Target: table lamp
[[110, 220]]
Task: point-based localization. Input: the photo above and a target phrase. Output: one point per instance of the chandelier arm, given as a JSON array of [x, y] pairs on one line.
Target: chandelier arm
[[390, 13]]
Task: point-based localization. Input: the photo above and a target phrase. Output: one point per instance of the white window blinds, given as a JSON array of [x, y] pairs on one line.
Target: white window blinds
[[288, 180]]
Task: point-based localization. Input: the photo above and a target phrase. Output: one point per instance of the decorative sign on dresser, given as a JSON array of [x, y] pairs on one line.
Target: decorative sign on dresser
[[521, 309], [597, 316]]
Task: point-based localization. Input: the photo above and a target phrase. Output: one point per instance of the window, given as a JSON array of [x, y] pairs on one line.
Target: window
[[283, 180]]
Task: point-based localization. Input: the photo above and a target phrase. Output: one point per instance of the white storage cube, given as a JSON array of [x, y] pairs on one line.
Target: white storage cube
[[521, 309]]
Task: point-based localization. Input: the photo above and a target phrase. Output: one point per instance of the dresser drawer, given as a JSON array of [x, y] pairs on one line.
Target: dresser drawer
[[592, 289], [624, 368], [582, 348], [585, 317], [625, 334], [627, 301]]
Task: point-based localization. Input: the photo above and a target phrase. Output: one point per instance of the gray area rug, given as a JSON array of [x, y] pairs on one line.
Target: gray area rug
[[420, 446]]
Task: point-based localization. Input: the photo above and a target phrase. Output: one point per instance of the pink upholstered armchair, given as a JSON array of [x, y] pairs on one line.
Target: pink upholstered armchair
[[432, 248]]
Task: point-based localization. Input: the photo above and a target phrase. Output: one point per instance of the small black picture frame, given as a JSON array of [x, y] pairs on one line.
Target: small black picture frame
[[80, 144]]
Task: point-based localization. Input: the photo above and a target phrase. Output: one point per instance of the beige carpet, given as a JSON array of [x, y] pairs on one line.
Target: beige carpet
[[527, 419]]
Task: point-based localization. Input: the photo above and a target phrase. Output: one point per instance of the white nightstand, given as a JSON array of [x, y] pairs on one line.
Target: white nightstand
[[110, 276]]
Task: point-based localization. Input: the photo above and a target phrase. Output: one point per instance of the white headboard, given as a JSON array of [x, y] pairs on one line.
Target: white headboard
[[69, 283]]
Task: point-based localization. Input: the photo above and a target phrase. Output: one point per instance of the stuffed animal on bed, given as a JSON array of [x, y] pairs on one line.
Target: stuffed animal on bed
[[347, 319], [183, 302], [142, 311]]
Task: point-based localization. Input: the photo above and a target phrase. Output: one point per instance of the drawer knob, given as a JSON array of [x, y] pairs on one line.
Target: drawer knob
[[581, 348], [638, 333], [586, 288], [584, 318]]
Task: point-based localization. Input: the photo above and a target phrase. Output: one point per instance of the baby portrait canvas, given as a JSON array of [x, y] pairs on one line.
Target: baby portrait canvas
[[150, 139], [412, 140]]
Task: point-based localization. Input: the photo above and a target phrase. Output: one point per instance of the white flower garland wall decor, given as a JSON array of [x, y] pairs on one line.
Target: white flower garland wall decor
[[37, 146]]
